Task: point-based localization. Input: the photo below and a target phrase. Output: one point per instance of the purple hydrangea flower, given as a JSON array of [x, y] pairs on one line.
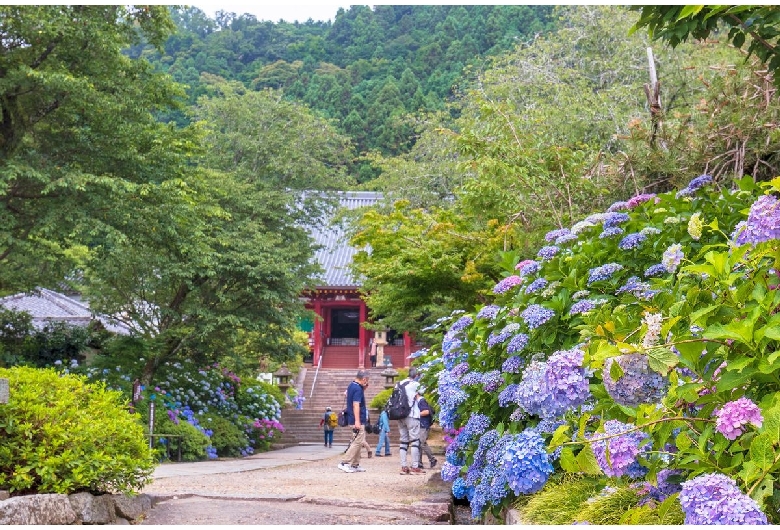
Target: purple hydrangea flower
[[552, 235], [613, 219], [617, 206], [731, 418], [635, 201], [623, 449], [507, 283], [536, 285], [461, 324], [763, 223], [507, 396], [550, 388], [517, 343], [503, 335], [638, 288], [715, 499], [513, 365], [583, 306], [611, 232], [488, 312], [449, 472], [535, 315], [471, 378], [547, 253], [526, 463], [694, 185], [655, 270], [565, 239], [528, 267], [632, 241], [638, 384], [492, 380], [603, 272]]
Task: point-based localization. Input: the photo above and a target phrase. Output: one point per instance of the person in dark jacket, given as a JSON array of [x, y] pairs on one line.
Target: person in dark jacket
[[426, 420], [357, 417]]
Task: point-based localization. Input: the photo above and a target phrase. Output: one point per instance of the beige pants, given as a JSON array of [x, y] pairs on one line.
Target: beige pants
[[352, 456]]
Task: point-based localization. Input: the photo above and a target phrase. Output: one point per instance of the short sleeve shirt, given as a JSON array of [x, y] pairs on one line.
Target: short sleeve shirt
[[411, 391], [355, 394]]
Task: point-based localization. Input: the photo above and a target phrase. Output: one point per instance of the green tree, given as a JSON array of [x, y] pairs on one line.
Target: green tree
[[79, 135]]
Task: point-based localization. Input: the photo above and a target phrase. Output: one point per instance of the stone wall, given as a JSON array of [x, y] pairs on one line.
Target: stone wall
[[78, 508]]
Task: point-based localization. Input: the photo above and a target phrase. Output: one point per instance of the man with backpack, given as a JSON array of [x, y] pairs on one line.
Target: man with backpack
[[408, 426], [426, 420], [356, 414], [329, 422]]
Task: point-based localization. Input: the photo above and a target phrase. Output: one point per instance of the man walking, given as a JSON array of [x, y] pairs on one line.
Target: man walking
[[357, 416], [426, 420], [409, 427]]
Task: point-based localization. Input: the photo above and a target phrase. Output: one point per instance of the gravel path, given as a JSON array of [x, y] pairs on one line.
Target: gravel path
[[304, 493]]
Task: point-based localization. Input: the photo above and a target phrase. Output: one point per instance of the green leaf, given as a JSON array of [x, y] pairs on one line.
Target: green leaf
[[730, 380], [587, 462], [568, 461], [688, 11], [683, 441], [559, 436], [615, 371], [662, 359], [762, 451], [741, 331]]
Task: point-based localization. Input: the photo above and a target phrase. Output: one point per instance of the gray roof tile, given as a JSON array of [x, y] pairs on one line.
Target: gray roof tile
[[336, 254]]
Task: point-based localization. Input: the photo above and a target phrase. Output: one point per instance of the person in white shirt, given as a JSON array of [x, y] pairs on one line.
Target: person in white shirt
[[409, 427]]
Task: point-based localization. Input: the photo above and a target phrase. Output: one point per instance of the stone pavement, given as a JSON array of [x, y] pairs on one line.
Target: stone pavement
[[280, 457], [296, 485]]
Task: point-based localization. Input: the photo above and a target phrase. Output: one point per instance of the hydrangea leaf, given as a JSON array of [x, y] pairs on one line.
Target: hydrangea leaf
[[662, 359], [560, 436], [587, 462], [568, 461], [762, 451], [730, 380], [771, 425], [741, 331], [683, 441], [764, 490]]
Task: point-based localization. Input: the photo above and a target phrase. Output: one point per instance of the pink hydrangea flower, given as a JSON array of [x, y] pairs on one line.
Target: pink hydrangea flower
[[731, 419]]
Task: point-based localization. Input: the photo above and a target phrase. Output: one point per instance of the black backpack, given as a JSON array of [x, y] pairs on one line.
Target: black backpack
[[397, 406]]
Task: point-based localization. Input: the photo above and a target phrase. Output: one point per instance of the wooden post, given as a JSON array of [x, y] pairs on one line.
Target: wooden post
[[5, 393], [653, 94]]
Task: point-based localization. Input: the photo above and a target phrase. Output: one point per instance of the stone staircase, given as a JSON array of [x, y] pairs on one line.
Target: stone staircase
[[303, 426]]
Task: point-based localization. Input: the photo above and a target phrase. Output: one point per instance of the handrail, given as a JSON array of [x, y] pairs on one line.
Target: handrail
[[317, 372]]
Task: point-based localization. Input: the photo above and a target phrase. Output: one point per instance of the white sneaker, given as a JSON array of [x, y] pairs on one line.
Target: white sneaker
[[358, 468], [346, 468]]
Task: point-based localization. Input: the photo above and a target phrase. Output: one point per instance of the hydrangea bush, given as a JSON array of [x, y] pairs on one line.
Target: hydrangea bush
[[640, 343]]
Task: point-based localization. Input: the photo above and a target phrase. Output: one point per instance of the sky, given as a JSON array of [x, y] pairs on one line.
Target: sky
[[290, 11]]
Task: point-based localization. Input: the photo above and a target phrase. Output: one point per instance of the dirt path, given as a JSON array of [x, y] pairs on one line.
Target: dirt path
[[310, 492]]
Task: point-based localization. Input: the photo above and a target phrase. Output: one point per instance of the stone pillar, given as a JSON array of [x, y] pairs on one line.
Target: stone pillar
[[380, 340], [4, 392]]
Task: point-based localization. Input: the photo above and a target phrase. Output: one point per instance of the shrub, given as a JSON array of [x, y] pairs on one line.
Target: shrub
[[228, 439], [62, 435], [380, 400], [194, 441]]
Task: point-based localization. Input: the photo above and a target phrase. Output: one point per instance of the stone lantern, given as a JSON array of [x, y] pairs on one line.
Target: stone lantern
[[380, 341], [282, 376], [390, 374]]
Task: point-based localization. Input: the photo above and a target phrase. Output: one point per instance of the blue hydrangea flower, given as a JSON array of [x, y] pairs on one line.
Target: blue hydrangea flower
[[461, 324], [536, 285], [550, 388], [503, 335], [613, 219], [513, 365], [507, 396], [535, 315], [547, 253], [638, 288], [611, 232], [561, 240], [517, 344], [694, 185], [488, 312], [552, 235], [530, 268], [583, 306], [632, 241], [492, 380], [526, 463], [638, 384], [658, 269], [604, 272]]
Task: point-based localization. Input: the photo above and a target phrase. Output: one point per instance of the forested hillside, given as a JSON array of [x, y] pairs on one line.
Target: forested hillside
[[366, 70]]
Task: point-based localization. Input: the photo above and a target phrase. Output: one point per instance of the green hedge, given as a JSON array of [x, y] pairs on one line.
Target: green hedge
[[61, 434]]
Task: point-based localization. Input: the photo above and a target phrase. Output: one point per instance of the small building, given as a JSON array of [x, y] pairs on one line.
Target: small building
[[337, 337], [46, 306]]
